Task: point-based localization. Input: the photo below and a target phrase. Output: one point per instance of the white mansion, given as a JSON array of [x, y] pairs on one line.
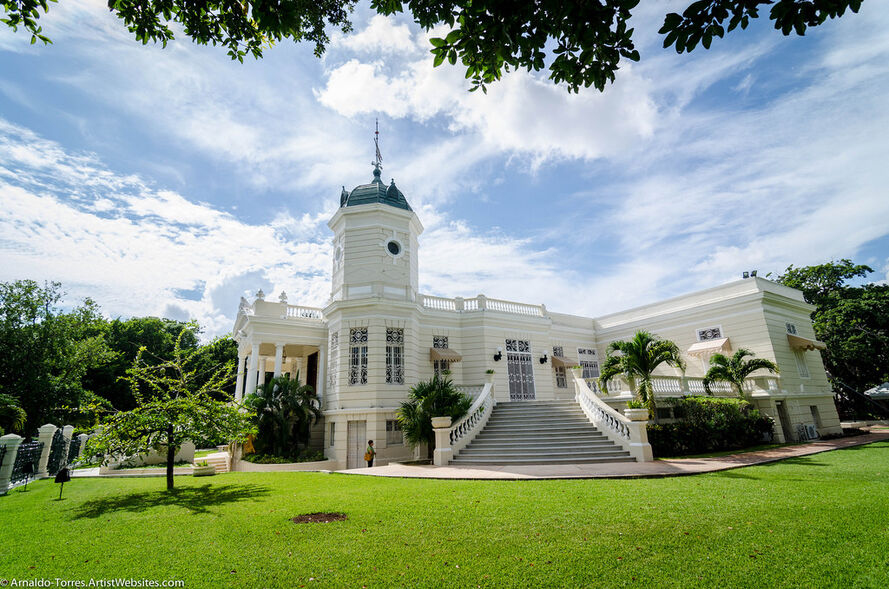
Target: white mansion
[[378, 336]]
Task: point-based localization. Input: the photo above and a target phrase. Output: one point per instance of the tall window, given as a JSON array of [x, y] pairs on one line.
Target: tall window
[[358, 356], [394, 437], [589, 361], [332, 434], [395, 356], [561, 381], [332, 360], [440, 342], [801, 363]]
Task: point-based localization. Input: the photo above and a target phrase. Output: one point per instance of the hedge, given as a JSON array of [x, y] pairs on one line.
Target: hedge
[[708, 424]]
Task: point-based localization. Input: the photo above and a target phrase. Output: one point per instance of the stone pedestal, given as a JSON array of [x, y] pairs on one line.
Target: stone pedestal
[[45, 434], [82, 438], [639, 448], [11, 443], [442, 453]]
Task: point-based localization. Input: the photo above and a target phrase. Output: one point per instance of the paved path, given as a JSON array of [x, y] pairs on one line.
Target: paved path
[[658, 468]]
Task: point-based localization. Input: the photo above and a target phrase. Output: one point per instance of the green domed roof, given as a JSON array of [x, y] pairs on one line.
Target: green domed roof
[[375, 192]]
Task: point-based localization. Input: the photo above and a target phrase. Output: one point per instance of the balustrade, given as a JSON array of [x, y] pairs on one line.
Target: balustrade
[[474, 421], [300, 312]]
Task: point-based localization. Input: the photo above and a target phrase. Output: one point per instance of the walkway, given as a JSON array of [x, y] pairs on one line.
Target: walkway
[[658, 468]]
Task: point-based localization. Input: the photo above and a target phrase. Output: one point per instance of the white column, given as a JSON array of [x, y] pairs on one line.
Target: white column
[[239, 386], [260, 378], [251, 369], [45, 434], [322, 373], [11, 442], [279, 359]]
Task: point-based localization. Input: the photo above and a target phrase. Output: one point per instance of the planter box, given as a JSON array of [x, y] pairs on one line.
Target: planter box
[[636, 414], [204, 471], [441, 422]]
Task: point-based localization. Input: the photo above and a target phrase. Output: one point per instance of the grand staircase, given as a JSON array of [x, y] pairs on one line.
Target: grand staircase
[[540, 432]]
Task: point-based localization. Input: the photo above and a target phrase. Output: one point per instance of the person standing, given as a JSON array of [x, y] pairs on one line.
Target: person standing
[[370, 453]]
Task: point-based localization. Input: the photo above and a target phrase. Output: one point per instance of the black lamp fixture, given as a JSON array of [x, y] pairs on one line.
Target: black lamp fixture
[[543, 359], [499, 355], [745, 275]]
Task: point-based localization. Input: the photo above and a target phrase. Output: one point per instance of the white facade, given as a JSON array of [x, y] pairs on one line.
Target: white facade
[[378, 336]]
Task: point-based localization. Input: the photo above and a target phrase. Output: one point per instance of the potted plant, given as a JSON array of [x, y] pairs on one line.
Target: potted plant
[[489, 375], [203, 469], [577, 371], [441, 422], [636, 410]]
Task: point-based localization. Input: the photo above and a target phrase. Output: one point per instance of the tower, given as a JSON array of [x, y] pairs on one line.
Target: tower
[[375, 243]]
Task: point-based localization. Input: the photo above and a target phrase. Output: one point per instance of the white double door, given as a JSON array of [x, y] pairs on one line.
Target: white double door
[[357, 440]]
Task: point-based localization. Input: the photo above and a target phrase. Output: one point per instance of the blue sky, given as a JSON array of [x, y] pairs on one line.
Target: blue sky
[[173, 181]]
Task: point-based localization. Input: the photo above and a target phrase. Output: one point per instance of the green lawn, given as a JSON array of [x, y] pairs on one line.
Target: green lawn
[[818, 521]]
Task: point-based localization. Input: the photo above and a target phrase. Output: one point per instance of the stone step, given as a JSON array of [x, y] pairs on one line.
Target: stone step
[[541, 451], [549, 437], [501, 419], [549, 443], [532, 460], [556, 425]]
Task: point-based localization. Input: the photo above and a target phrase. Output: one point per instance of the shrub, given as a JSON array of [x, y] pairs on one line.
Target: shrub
[[708, 424]]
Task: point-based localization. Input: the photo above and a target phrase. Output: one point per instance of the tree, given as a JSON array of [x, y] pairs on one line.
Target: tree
[[637, 360], [854, 325], [427, 399], [735, 370], [285, 411], [12, 417], [183, 405], [125, 337], [581, 43], [46, 353]]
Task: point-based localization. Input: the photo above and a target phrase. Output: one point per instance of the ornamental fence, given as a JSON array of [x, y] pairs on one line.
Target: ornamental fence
[[54, 449]]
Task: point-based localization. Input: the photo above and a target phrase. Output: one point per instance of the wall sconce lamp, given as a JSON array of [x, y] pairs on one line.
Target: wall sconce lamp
[[499, 355], [543, 359]]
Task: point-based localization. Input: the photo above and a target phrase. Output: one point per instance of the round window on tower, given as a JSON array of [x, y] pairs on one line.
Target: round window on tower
[[394, 247]]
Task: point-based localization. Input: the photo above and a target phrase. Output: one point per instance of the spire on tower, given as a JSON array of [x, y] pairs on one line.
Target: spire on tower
[[378, 164]]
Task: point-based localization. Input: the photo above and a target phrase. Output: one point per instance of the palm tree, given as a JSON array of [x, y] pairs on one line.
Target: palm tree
[[12, 417], [735, 369], [428, 399], [637, 359], [285, 411]]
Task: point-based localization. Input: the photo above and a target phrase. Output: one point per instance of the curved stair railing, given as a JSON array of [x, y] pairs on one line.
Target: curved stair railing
[[629, 434], [462, 432]]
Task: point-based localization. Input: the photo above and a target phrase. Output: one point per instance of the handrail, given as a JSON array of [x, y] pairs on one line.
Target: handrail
[[600, 414], [475, 419], [629, 434]]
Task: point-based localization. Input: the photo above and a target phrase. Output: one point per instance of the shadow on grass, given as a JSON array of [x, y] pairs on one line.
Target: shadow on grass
[[734, 473], [195, 499]]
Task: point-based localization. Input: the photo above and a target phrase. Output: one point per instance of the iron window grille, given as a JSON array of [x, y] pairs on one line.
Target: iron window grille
[[395, 356], [358, 356]]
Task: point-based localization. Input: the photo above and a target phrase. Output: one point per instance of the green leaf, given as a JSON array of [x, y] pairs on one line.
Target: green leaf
[[439, 58], [437, 42]]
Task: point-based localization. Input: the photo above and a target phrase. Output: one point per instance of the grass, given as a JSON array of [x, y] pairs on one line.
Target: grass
[[204, 453], [817, 521]]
